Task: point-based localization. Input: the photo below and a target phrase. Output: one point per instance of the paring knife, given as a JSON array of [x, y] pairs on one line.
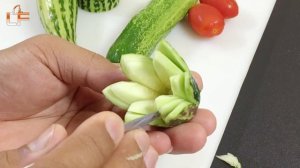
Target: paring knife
[[141, 122]]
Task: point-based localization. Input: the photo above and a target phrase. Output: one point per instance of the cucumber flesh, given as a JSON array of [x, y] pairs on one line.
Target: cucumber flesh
[[127, 93], [176, 112], [164, 68], [114, 99], [165, 48], [178, 85], [133, 63], [168, 107], [140, 108], [164, 99], [167, 70]]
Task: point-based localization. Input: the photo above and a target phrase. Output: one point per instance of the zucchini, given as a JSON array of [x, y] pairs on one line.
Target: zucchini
[[148, 27], [97, 5], [59, 17]]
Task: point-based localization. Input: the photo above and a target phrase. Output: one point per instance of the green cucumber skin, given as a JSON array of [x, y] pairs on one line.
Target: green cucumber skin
[[59, 17], [148, 27], [196, 90], [97, 5]]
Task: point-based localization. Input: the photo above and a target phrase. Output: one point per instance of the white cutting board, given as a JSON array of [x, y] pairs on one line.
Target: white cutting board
[[222, 61]]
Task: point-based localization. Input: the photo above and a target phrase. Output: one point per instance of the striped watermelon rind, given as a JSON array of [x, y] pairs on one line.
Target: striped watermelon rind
[[95, 6], [59, 17]]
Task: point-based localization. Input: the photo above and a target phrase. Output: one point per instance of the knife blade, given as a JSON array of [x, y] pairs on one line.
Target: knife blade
[[141, 122]]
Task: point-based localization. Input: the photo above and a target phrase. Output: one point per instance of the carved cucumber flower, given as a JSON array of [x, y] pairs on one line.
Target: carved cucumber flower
[[162, 83]]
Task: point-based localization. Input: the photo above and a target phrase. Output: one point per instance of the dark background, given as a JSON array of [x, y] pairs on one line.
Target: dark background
[[264, 128]]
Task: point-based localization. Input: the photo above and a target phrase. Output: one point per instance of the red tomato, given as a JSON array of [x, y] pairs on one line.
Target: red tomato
[[206, 20], [228, 8]]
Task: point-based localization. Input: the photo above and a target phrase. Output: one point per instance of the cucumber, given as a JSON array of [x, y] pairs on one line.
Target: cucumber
[[59, 17], [97, 5], [176, 99], [148, 27]]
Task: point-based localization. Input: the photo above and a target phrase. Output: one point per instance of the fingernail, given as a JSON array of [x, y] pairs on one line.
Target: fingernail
[[170, 150], [114, 130], [150, 158], [142, 140], [42, 141]]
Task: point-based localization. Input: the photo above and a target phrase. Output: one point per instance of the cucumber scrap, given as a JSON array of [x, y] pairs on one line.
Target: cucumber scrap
[[231, 160]]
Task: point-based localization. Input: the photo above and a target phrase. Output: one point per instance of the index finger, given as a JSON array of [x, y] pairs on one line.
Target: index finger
[[74, 65]]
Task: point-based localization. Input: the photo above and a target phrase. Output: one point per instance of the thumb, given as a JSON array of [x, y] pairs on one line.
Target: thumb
[[34, 150], [100, 142], [90, 145], [75, 65]]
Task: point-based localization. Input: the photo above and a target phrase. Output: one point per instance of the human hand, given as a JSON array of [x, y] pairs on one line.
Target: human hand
[[46, 80], [98, 142]]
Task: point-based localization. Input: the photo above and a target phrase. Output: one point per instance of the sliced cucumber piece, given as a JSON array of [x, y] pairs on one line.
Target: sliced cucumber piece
[[130, 92], [139, 68], [114, 99], [140, 108], [168, 107], [165, 48], [173, 116], [178, 85], [164, 99], [164, 68]]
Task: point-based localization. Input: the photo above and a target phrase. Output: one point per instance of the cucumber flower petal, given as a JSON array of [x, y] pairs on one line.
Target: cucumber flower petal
[[162, 83], [182, 87], [164, 68], [165, 48], [139, 68], [168, 107], [174, 110], [190, 88], [182, 113], [178, 85], [114, 99], [127, 93], [164, 99], [140, 108]]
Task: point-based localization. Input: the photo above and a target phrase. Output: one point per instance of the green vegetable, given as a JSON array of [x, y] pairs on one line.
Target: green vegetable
[[162, 83], [148, 27], [59, 17], [231, 160], [97, 5], [135, 90]]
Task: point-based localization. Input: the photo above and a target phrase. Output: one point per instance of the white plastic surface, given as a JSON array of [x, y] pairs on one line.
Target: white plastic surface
[[222, 61]]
